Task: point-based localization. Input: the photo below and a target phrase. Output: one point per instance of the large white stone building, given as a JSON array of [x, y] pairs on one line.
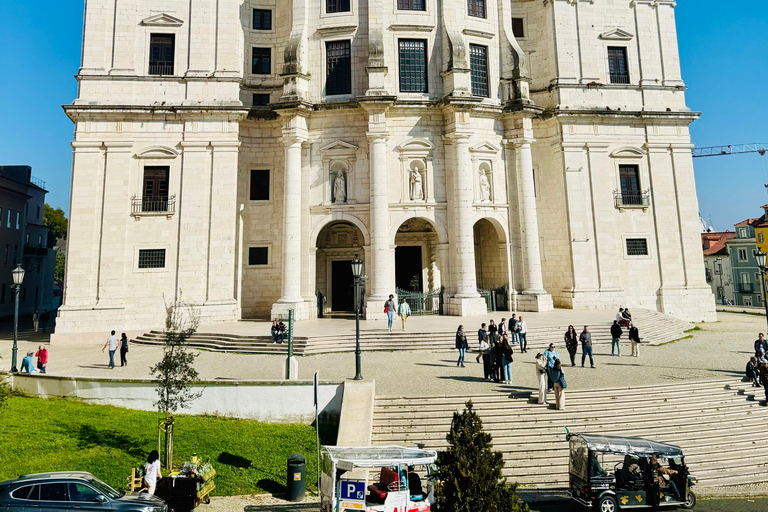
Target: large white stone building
[[236, 154]]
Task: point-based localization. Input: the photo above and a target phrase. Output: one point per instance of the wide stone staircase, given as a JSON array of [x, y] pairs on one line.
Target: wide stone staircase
[[655, 328], [719, 424]]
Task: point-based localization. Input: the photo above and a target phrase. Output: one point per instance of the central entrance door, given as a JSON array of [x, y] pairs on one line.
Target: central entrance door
[[342, 286], [408, 271]]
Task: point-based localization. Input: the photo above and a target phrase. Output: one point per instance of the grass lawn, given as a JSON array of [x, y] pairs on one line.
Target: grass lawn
[[59, 434]]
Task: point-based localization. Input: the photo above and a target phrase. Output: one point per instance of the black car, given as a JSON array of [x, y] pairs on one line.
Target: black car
[[68, 490]]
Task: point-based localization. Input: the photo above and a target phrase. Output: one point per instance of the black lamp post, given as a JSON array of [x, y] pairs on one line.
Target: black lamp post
[[357, 273], [18, 278], [760, 256], [720, 273]]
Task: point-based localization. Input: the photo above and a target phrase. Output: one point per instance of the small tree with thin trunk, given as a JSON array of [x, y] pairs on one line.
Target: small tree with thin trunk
[[470, 471], [175, 372]]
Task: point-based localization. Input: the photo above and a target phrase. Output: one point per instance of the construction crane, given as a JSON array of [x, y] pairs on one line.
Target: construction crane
[[735, 149]]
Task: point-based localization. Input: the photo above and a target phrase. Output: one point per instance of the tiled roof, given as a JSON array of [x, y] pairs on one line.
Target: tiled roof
[[717, 242], [747, 222]]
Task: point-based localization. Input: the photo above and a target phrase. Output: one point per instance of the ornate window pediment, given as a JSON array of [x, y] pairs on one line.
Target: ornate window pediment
[[415, 145], [338, 146], [162, 20], [617, 34], [157, 152], [628, 152], [485, 147]]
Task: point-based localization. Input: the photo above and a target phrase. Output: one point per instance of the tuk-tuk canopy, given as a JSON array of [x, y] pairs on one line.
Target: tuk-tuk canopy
[[628, 445], [348, 457]]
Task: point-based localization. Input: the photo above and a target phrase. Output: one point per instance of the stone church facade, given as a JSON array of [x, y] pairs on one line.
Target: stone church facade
[[235, 155]]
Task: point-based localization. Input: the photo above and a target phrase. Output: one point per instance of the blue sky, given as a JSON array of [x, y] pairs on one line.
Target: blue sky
[[722, 50]]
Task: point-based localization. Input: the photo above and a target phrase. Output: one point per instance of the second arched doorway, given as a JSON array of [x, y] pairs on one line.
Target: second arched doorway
[[337, 244]]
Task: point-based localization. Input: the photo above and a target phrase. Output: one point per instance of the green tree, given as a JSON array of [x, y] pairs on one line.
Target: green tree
[[55, 220], [470, 471], [58, 272]]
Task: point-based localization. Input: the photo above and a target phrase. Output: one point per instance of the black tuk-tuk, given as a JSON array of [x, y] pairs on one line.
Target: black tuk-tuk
[[638, 478]]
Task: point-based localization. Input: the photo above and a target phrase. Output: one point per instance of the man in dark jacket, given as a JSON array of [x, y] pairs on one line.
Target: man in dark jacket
[[586, 346], [616, 337], [760, 342], [634, 337]]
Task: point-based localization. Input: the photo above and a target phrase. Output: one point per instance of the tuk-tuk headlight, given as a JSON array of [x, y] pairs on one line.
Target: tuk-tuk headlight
[[693, 478]]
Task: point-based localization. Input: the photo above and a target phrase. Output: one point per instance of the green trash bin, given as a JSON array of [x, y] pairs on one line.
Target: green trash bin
[[297, 473]]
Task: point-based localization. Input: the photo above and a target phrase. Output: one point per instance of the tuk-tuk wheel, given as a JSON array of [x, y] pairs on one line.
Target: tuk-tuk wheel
[[690, 501], [607, 503]]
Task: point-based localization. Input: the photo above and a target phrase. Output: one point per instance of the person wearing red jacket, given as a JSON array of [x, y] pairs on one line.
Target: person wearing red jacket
[[42, 358]]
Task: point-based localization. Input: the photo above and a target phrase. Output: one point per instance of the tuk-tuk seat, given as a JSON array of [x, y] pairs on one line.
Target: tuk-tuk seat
[[378, 491]]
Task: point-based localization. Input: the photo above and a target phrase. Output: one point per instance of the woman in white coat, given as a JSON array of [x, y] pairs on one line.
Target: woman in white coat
[[541, 377]]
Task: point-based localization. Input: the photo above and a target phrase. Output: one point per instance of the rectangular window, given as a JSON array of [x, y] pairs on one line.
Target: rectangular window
[[262, 19], [757, 277], [617, 65], [411, 5], [629, 178], [338, 68], [478, 62], [2, 293], [760, 238], [517, 27], [38, 212], [637, 247], [151, 258], [27, 240], [742, 233], [720, 293], [742, 255], [413, 65], [7, 254], [258, 256], [18, 218], [8, 218], [15, 254], [476, 8], [40, 240], [747, 301], [262, 61], [260, 100], [161, 54], [154, 191], [260, 185], [337, 6]]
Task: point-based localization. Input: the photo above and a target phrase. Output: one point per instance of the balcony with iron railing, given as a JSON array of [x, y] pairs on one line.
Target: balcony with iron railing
[[620, 78], [161, 68], [153, 205], [37, 182], [747, 287], [634, 199]]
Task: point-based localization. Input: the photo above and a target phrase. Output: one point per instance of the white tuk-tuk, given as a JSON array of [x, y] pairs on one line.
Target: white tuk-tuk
[[376, 479]]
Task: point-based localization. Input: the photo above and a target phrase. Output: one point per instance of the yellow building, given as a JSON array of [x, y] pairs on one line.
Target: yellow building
[[761, 230]]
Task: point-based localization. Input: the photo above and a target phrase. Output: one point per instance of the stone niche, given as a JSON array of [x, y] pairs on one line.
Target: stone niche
[[339, 174], [416, 173], [484, 157]]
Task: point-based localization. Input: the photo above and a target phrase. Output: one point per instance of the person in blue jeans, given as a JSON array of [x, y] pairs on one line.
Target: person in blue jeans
[[586, 346], [391, 308], [461, 345], [551, 356], [616, 333]]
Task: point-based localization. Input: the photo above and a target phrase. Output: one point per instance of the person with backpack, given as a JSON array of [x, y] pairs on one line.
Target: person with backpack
[[389, 309], [461, 345], [616, 333], [559, 377]]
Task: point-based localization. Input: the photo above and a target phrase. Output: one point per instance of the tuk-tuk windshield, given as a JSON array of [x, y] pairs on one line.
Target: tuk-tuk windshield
[[579, 465]]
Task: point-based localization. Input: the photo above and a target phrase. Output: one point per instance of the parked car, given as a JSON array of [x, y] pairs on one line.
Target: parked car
[[71, 490]]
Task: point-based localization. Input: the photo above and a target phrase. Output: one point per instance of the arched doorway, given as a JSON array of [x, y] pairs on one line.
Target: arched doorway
[[416, 256], [337, 245], [491, 264]]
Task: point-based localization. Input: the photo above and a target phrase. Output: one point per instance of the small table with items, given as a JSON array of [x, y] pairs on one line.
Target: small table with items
[[187, 487]]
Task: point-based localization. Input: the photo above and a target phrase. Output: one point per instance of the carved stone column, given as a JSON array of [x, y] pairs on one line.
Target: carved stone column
[[378, 272]]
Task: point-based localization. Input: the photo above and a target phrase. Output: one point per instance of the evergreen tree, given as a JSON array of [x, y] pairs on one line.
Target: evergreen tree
[[470, 471]]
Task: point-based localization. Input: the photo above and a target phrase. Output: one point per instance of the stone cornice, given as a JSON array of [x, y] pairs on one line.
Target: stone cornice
[[122, 112], [687, 117]]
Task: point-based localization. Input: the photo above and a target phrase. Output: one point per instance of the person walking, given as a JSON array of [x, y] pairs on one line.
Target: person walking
[[571, 343], [586, 346], [506, 361], [551, 356], [44, 319], [113, 344], [616, 333], [389, 308], [482, 334], [152, 471], [42, 358], [761, 343], [541, 376], [522, 332], [36, 319], [634, 337], [512, 328], [404, 310], [461, 345], [559, 377], [123, 350]]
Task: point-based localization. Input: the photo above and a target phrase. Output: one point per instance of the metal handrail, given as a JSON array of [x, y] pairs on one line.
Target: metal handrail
[[161, 68], [151, 204], [619, 78], [37, 181], [640, 199]]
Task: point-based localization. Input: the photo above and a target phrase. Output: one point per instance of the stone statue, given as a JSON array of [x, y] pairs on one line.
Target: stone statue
[[340, 188], [485, 187], [417, 186]]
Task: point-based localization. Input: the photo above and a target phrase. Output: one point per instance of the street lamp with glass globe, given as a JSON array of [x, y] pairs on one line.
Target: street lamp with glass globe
[[357, 273], [760, 256], [18, 278]]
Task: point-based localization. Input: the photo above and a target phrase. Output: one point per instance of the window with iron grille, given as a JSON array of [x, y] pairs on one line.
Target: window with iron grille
[[260, 185], [478, 63], [411, 5], [617, 65], [413, 65], [338, 68], [517, 27], [260, 100], [476, 8], [637, 247], [258, 256], [262, 61], [262, 19], [161, 54], [151, 258], [337, 6]]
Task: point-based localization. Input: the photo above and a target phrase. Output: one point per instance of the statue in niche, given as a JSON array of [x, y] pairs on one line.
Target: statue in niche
[[485, 186], [340, 188], [417, 185]]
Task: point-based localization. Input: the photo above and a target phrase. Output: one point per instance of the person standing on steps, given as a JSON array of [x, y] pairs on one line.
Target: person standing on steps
[[586, 346], [634, 337], [522, 332], [389, 308], [551, 356], [541, 376], [512, 327], [616, 333], [482, 336], [36, 319], [113, 343], [571, 343], [559, 377], [461, 345], [487, 350], [764, 379], [506, 361], [42, 358], [44, 319], [496, 356], [503, 328], [404, 310], [123, 350]]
